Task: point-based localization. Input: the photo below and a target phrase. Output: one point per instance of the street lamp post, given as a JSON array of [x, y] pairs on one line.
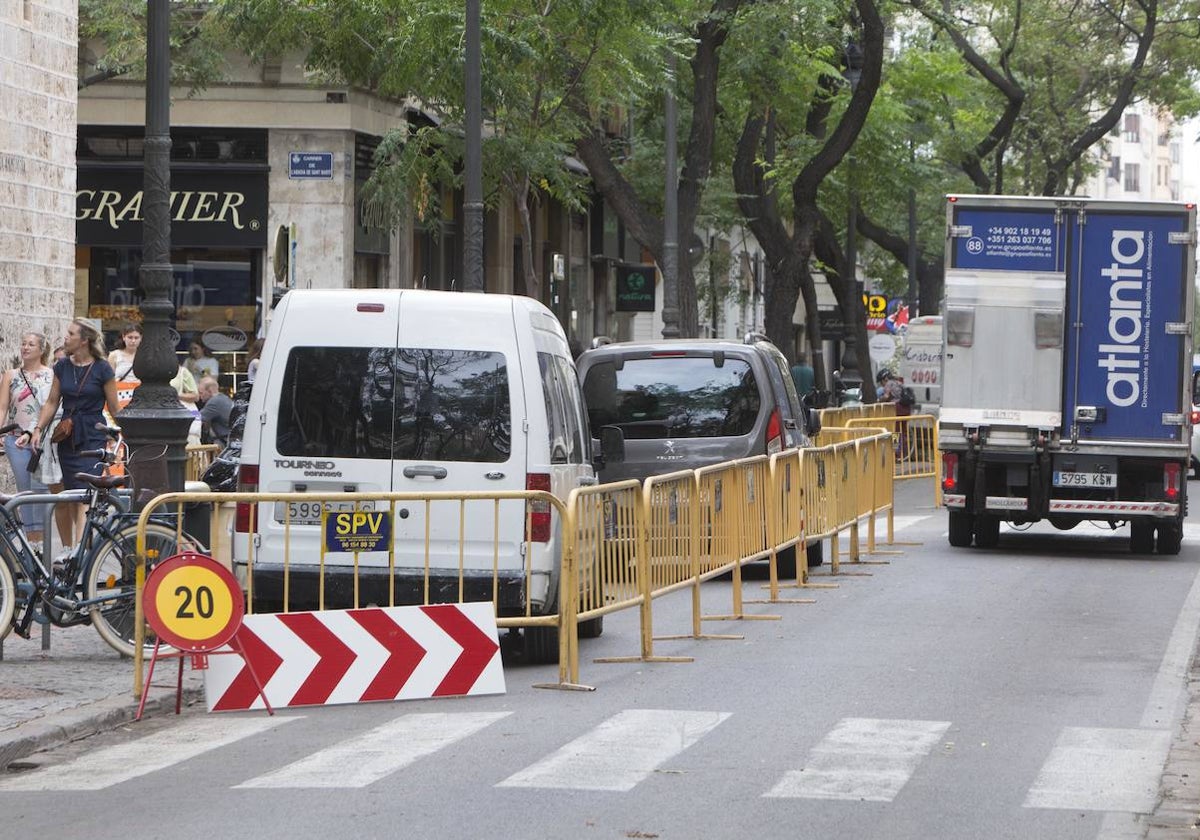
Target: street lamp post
[[473, 159], [670, 252], [155, 417], [850, 373]]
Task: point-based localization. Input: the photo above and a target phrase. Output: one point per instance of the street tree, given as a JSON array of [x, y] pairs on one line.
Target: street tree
[[798, 141], [539, 60], [112, 42]]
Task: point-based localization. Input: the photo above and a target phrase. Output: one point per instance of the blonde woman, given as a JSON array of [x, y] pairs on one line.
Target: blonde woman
[[85, 385], [23, 392]]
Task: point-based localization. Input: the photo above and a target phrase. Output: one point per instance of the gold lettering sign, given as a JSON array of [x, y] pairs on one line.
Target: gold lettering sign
[[112, 208]]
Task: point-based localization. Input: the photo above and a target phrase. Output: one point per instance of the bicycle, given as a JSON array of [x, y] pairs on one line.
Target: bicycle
[[93, 584]]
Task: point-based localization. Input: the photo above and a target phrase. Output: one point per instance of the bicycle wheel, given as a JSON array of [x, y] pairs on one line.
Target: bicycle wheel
[[111, 571], [8, 597]]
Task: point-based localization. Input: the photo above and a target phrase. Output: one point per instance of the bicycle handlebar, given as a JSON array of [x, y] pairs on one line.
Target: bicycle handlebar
[[113, 432], [11, 427], [100, 455]]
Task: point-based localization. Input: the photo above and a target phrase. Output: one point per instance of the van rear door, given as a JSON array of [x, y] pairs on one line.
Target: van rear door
[[459, 427], [331, 430]]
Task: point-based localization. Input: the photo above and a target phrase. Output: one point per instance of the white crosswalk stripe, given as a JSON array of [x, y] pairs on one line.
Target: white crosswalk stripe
[[1102, 770], [862, 759], [360, 761], [620, 752], [121, 762]]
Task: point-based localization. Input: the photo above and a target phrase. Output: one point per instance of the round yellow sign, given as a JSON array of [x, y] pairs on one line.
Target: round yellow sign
[[193, 602]]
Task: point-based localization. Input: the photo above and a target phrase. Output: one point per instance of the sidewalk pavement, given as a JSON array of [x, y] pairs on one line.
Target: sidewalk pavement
[[78, 687]]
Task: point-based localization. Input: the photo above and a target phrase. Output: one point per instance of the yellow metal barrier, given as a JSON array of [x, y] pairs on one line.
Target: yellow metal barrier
[[915, 444], [623, 544], [199, 458], [564, 619]]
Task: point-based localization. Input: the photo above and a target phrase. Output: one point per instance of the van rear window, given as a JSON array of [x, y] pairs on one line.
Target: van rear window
[[677, 397], [404, 404]]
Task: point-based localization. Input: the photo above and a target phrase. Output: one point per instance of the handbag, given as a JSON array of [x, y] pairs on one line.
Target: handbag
[[63, 430], [66, 425]]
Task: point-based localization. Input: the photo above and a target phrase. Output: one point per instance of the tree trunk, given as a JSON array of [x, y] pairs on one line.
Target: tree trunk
[[533, 284]]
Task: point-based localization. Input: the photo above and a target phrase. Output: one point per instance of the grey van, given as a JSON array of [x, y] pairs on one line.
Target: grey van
[[689, 403]]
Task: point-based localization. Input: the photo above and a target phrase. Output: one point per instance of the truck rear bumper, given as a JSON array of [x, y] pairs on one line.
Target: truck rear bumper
[[1078, 507]]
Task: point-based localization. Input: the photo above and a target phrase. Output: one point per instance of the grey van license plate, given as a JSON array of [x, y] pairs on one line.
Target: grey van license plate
[[309, 513]]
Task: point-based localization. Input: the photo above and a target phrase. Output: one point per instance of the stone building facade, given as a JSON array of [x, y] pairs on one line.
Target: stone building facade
[[38, 48]]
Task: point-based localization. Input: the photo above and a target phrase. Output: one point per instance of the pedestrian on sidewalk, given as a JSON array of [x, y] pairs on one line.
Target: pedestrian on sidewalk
[[23, 392], [84, 384], [122, 360]]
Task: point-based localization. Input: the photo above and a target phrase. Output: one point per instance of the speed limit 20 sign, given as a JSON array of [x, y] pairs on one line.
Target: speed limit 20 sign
[[193, 602]]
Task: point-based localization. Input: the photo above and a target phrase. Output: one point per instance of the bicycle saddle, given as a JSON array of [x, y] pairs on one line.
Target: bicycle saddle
[[105, 482]]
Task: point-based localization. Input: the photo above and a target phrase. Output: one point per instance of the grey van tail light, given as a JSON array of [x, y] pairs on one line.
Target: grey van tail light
[[1048, 328], [960, 327]]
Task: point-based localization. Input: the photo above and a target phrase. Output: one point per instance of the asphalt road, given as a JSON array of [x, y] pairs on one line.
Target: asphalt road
[[1029, 691]]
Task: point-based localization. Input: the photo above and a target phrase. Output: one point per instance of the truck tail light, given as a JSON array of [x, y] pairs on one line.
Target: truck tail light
[[949, 471], [539, 509], [1171, 471], [774, 433], [247, 483], [1195, 418]]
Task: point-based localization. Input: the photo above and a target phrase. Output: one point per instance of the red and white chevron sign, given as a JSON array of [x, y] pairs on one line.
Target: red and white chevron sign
[[356, 656]]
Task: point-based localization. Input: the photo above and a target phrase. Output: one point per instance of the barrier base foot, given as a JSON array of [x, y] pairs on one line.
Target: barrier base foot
[[843, 574], [904, 543], [780, 601], [736, 637], [565, 686], [741, 617], [871, 562], [818, 586], [884, 551], [604, 659]]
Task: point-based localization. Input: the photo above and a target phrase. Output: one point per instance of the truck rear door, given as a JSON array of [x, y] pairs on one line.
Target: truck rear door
[[1003, 316], [1128, 322]]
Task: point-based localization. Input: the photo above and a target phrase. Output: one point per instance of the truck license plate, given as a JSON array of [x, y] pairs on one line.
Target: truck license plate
[[309, 513], [1082, 479]]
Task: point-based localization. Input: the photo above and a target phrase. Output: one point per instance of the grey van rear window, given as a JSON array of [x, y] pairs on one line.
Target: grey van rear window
[[404, 404], [673, 396]]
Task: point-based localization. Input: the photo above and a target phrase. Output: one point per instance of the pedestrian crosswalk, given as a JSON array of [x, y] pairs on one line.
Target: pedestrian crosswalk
[[858, 759]]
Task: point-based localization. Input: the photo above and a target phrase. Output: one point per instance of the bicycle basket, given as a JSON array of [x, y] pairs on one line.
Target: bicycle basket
[[147, 471]]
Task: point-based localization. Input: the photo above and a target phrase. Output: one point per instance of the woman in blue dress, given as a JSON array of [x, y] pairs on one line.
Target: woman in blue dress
[[85, 384]]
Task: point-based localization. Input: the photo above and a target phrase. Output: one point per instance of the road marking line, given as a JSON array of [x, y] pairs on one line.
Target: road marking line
[[1102, 770], [109, 766], [862, 759], [1163, 708], [358, 762], [899, 523], [620, 752]]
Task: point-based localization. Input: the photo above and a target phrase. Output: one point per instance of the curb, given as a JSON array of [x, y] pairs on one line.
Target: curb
[[80, 722]]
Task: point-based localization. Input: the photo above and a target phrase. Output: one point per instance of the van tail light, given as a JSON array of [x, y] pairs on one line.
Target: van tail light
[[774, 433], [949, 471], [539, 509], [1171, 471], [247, 483], [1195, 418]]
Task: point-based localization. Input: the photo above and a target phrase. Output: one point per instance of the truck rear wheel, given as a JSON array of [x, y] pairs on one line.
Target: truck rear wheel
[[962, 528], [1170, 538], [1141, 537], [987, 531]]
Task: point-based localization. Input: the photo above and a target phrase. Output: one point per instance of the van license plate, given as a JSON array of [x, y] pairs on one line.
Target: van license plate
[[309, 513], [1082, 479]]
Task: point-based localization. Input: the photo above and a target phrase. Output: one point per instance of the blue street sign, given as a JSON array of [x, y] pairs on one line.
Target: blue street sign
[[310, 165]]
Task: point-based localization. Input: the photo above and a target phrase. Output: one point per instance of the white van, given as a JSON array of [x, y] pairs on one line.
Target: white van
[[413, 391]]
